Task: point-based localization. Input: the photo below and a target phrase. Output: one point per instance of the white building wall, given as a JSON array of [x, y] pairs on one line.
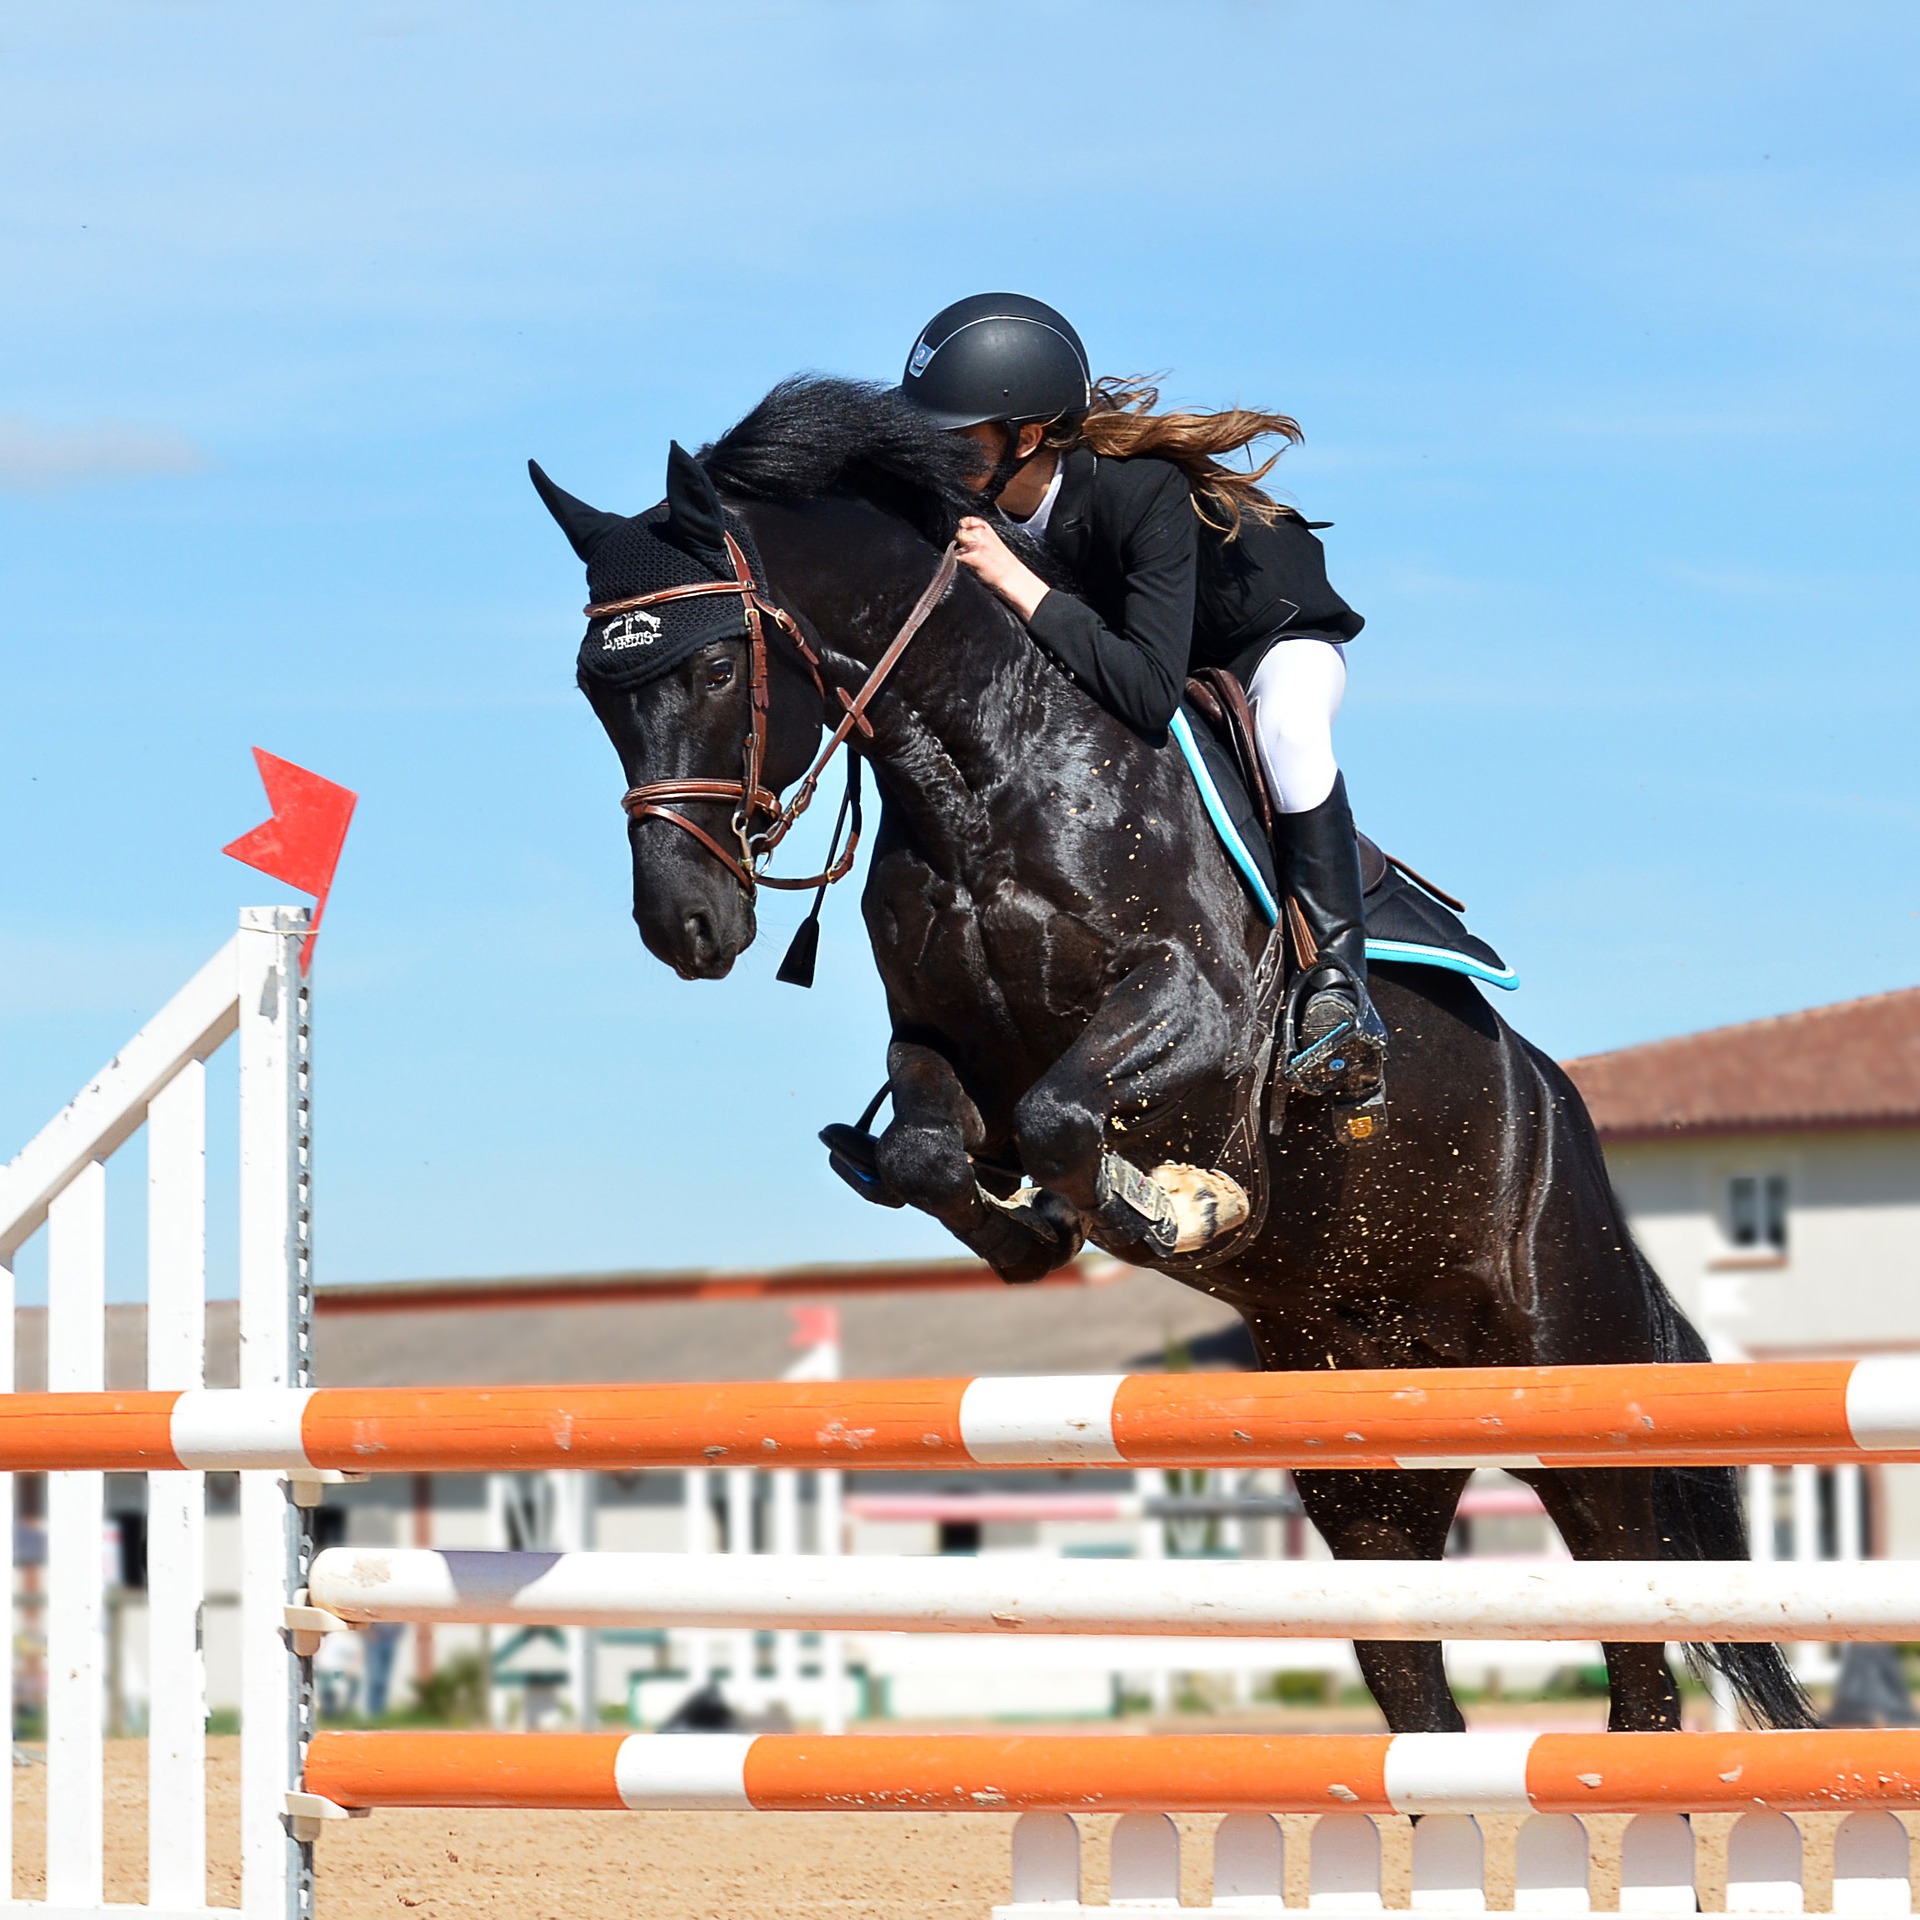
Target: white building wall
[[1849, 1279], [1847, 1282]]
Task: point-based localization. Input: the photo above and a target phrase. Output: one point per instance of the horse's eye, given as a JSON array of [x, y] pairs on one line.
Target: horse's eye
[[719, 674]]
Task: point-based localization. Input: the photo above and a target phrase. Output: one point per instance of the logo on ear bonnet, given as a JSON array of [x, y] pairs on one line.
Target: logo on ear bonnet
[[640, 627]]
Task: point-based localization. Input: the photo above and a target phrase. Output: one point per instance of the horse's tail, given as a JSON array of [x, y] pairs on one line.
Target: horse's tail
[[1700, 1517]]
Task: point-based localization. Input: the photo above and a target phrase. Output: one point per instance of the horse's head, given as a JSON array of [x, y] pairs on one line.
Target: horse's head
[[668, 663]]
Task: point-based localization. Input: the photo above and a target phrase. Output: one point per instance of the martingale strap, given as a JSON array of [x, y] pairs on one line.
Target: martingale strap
[[752, 798]]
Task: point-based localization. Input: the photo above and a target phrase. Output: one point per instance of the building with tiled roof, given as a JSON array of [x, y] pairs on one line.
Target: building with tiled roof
[[1771, 1171], [1849, 1067]]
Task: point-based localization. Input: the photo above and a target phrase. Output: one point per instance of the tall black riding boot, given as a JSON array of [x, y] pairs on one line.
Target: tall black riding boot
[[1336, 1042]]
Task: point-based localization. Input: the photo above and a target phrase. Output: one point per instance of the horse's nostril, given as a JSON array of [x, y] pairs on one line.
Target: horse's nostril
[[699, 931]]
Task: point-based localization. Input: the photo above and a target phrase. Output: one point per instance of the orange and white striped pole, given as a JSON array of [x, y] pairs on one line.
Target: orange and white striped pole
[[1816, 1411], [1074, 1773]]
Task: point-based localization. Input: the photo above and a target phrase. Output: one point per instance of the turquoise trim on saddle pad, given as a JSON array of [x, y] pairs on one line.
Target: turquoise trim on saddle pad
[[1407, 952], [1412, 953], [1223, 825]]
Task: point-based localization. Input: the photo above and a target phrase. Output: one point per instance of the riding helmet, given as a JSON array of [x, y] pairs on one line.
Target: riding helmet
[[997, 356]]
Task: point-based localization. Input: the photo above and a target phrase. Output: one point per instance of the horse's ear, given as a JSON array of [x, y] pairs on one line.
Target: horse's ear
[[584, 526], [693, 507]]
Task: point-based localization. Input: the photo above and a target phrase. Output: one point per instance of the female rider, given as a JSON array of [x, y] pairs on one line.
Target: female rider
[[1181, 563]]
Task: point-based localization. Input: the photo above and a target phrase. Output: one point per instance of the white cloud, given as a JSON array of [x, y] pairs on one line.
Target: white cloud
[[34, 458]]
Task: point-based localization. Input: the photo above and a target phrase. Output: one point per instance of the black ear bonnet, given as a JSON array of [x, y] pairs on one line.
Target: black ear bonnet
[[674, 544]]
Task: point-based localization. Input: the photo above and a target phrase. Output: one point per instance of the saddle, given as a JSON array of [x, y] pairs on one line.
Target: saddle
[[1217, 696]]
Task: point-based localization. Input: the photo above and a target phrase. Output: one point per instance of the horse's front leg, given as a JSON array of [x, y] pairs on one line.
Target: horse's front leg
[[1162, 1030], [925, 1156]]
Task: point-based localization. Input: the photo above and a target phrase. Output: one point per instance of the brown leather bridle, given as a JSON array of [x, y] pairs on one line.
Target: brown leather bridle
[[753, 799]]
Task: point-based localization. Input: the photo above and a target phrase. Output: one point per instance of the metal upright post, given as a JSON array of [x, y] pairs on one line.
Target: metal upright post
[[276, 1304]]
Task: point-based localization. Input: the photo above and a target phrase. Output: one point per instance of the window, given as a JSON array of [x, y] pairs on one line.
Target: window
[[1757, 1212]]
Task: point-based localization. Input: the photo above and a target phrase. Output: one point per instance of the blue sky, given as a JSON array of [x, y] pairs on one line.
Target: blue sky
[[1602, 323]]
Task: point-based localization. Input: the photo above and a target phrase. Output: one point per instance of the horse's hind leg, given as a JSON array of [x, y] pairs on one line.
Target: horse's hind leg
[[1393, 1516], [925, 1157], [1607, 1513]]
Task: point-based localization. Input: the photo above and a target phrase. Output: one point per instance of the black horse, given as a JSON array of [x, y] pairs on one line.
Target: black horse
[[1082, 994]]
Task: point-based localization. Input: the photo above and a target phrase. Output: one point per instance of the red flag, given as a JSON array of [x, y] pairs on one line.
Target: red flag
[[813, 1326], [301, 843]]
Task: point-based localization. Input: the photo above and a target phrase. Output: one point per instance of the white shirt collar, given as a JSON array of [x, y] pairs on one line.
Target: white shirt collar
[[1035, 525]]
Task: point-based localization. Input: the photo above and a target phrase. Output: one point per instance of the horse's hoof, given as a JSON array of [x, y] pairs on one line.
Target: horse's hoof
[[1034, 1233], [1206, 1202]]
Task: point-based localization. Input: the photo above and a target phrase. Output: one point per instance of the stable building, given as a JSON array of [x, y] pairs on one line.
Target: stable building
[[1771, 1172]]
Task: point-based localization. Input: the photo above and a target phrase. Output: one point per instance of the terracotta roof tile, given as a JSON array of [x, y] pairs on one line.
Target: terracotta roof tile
[[458, 1333], [1853, 1064]]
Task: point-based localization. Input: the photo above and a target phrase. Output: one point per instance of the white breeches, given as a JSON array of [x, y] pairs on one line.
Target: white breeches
[[1295, 693]]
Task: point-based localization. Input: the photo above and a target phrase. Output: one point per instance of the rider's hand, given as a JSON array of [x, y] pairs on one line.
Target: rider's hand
[[988, 558]]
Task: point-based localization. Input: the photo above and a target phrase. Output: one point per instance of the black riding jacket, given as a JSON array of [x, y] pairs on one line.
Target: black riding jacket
[[1162, 593]]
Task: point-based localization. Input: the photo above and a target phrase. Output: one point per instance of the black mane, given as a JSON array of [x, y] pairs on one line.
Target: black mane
[[814, 435]]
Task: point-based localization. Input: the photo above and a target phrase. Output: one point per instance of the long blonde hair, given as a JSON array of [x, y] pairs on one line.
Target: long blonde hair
[[1122, 422]]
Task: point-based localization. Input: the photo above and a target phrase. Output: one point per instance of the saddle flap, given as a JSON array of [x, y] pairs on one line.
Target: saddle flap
[[1222, 702]]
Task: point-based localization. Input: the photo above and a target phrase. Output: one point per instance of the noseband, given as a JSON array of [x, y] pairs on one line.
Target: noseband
[[752, 799]]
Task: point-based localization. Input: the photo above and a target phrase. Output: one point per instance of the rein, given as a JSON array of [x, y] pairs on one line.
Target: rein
[[752, 798]]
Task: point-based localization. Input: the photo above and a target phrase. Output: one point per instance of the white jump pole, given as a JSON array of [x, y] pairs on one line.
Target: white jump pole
[[1341, 1600]]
